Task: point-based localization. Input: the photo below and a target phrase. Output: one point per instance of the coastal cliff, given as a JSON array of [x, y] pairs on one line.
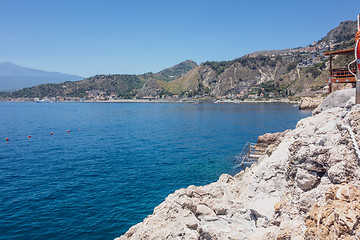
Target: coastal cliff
[[306, 187]]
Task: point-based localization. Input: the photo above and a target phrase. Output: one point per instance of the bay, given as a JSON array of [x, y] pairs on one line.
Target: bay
[[117, 162]]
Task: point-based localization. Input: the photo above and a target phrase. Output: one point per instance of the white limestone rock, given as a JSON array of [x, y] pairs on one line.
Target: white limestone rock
[[278, 197], [306, 180], [342, 98]]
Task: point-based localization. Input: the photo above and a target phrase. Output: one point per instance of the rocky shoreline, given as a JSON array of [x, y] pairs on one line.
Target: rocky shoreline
[[307, 103], [165, 100], [306, 187]]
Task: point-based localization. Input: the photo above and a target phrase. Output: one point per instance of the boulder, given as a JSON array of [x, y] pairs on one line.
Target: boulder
[[270, 138], [306, 180], [342, 172], [342, 98], [310, 102]]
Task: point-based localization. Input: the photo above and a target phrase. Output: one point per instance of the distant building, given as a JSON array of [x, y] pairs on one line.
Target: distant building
[[253, 96], [306, 63]]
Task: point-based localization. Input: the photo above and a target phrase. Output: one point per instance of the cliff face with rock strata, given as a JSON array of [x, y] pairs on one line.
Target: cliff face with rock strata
[[307, 187]]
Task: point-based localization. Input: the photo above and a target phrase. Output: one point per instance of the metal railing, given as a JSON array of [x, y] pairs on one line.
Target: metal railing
[[251, 153]]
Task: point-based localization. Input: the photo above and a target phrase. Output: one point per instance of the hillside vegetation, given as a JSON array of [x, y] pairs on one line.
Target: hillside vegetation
[[301, 71], [174, 72], [121, 85], [277, 73]]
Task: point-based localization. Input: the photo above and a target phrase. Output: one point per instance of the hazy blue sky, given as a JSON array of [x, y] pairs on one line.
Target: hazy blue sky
[[87, 37]]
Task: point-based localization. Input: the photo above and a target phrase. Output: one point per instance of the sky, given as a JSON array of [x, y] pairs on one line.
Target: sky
[[88, 37]]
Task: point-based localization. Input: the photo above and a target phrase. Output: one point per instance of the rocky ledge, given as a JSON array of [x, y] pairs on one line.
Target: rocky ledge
[[310, 102], [306, 187]]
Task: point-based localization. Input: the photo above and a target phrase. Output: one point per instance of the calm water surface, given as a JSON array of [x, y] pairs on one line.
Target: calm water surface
[[117, 162]]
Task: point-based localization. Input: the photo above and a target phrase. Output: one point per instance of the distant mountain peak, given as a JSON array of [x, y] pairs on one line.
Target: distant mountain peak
[[345, 31], [184, 64], [14, 77], [190, 62], [174, 72]]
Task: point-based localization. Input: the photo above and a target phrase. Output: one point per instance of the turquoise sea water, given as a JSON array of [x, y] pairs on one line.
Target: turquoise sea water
[[118, 161]]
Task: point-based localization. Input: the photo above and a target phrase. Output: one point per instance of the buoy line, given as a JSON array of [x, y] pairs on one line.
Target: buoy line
[[29, 136]]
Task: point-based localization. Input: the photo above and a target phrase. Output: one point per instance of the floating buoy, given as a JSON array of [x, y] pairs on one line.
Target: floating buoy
[[68, 131], [79, 129], [7, 139], [29, 136], [51, 133]]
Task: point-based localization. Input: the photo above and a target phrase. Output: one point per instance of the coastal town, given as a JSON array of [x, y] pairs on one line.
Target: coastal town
[[309, 58]]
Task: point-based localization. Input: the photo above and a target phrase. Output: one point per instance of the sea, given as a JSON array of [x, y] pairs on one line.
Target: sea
[[107, 165]]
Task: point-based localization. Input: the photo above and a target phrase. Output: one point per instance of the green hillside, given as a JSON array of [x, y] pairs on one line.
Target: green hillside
[[120, 84], [301, 71], [172, 73]]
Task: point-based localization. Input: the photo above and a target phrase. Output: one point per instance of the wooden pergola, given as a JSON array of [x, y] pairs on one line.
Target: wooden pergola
[[341, 75]]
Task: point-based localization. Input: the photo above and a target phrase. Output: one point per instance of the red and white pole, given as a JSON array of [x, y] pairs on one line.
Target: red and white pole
[[357, 56]]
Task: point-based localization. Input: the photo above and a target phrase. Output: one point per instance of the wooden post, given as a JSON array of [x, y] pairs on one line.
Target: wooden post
[[357, 55], [357, 92], [330, 73]]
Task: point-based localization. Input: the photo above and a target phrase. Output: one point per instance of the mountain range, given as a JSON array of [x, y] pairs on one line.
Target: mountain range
[[15, 77], [274, 73]]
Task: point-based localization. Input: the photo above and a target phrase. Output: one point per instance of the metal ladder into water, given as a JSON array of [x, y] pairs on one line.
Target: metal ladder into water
[[251, 153]]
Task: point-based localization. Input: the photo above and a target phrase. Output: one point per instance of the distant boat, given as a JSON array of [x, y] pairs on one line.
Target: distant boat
[[46, 100]]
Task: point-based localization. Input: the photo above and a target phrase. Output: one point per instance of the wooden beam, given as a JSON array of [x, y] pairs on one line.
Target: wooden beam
[[345, 51], [343, 80]]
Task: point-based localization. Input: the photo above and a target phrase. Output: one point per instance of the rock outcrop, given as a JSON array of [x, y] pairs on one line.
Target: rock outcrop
[[337, 99], [271, 138], [195, 81], [336, 216], [151, 88], [310, 103], [308, 188]]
